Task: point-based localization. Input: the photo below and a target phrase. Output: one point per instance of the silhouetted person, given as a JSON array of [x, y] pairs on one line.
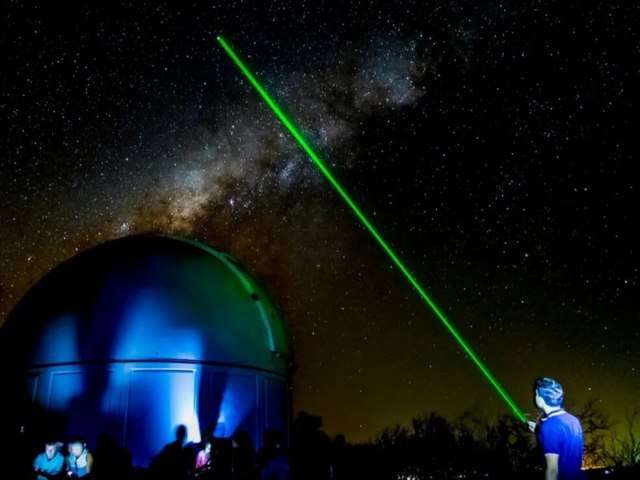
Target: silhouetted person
[[243, 460], [111, 461], [311, 449], [49, 464], [221, 452], [80, 459], [338, 469], [176, 460], [271, 458], [203, 458], [559, 433]]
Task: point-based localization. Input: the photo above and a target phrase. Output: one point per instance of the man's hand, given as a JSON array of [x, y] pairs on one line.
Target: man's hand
[[532, 425]]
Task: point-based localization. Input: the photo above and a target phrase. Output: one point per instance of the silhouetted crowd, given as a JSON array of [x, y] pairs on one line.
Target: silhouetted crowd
[[312, 456], [222, 458]]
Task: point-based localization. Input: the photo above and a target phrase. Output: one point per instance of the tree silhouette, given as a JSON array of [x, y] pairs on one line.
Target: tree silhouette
[[625, 450], [595, 427]]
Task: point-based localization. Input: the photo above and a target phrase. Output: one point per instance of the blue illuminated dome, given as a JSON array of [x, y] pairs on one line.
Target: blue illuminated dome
[[141, 334]]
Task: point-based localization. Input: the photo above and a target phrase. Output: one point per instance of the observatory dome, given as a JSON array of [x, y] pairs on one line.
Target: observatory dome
[[143, 333]]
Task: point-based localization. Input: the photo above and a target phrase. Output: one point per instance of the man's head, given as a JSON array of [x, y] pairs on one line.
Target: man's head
[[547, 392], [50, 449], [181, 434], [76, 447]]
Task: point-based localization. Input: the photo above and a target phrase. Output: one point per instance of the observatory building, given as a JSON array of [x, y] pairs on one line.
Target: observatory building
[[139, 335]]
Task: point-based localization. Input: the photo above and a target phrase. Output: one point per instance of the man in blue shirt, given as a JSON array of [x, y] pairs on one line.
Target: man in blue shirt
[[49, 463], [559, 433]]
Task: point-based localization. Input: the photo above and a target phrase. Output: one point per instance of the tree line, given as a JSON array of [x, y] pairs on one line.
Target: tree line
[[469, 447]]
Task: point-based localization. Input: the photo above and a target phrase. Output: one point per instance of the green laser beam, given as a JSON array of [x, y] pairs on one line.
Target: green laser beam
[[327, 173]]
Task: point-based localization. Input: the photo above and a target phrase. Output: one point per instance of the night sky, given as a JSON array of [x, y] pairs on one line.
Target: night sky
[[491, 143]]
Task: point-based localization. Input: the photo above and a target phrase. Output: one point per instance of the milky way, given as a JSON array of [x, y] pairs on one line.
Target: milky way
[[492, 145]]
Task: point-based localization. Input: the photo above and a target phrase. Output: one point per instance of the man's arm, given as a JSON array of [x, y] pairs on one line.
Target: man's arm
[[552, 466], [89, 462]]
